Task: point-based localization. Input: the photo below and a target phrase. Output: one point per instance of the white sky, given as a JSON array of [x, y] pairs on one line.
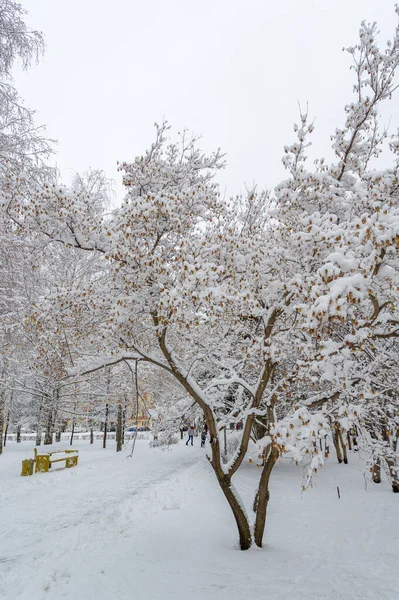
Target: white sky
[[231, 70]]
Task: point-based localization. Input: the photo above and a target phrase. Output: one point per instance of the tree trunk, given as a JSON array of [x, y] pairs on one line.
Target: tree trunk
[[263, 495], [18, 434], [38, 434], [393, 473], [124, 420], [227, 487], [348, 437], [58, 436], [376, 471], [91, 435], [2, 409], [341, 441], [39, 424], [105, 426], [392, 463], [119, 429], [72, 432], [335, 437], [6, 429], [240, 517], [48, 438], [326, 447]]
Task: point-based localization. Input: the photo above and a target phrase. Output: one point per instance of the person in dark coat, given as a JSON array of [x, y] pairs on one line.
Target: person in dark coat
[[203, 437]]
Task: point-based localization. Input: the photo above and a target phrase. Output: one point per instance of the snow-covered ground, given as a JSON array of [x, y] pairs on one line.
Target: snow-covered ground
[[155, 527]]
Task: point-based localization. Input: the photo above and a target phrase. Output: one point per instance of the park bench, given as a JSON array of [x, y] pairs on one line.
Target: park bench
[[43, 461]]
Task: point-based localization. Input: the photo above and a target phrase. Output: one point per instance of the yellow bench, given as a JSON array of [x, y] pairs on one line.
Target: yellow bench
[[43, 461]]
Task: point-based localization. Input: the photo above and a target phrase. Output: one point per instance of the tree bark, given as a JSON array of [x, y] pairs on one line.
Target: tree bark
[[72, 432], [348, 437], [376, 471], [392, 463], [39, 424], [2, 409], [91, 435], [105, 426], [124, 420], [48, 438], [240, 517], [18, 434], [6, 429], [393, 473], [119, 429], [326, 447], [335, 437], [263, 495], [343, 446]]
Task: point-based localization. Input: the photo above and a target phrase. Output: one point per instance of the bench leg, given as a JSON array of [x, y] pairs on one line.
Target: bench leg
[[42, 464]]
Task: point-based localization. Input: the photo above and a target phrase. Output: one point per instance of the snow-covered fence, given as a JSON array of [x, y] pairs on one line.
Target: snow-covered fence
[[66, 436]]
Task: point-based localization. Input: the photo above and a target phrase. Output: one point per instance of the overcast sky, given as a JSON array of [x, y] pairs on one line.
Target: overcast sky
[[231, 70]]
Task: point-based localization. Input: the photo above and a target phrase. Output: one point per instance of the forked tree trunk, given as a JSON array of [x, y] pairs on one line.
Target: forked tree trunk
[[224, 478], [263, 494], [119, 429]]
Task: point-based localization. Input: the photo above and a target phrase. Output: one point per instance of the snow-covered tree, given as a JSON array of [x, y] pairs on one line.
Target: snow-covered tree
[[271, 310]]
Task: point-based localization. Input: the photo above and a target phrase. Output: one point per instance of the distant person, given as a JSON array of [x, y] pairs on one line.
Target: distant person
[[203, 437], [190, 432]]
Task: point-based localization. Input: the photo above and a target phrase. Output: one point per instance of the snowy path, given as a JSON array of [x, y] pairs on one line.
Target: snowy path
[[155, 527], [47, 517], [72, 503]]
